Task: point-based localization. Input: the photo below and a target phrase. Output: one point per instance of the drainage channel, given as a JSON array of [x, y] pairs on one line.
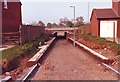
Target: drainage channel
[[61, 63], [37, 67], [37, 71]]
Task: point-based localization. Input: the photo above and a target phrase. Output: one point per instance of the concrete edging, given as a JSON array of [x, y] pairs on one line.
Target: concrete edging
[[89, 50], [27, 75], [35, 61], [109, 67], [39, 54], [97, 55], [33, 64]]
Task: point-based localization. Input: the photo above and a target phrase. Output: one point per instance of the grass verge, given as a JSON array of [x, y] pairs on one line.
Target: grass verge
[[10, 56], [84, 32], [113, 45]]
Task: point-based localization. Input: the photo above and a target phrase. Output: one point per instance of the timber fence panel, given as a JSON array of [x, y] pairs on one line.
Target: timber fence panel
[[29, 32]]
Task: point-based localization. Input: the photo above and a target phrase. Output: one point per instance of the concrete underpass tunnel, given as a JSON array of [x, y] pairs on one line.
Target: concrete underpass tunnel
[[60, 36], [65, 35], [55, 34]]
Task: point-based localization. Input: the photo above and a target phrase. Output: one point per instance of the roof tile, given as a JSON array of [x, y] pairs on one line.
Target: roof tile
[[105, 13]]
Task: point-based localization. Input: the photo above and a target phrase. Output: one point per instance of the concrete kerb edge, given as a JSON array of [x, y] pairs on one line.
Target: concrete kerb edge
[[31, 63], [97, 55], [37, 62], [90, 50], [26, 76], [33, 67], [109, 67]]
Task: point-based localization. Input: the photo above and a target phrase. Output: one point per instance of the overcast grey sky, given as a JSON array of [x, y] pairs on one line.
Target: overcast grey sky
[[53, 10]]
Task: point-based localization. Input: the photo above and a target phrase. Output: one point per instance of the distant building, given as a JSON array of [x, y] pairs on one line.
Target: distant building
[[105, 23], [11, 15]]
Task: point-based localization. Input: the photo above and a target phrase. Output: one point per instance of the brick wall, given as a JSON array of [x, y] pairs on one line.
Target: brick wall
[[94, 25], [11, 17], [116, 6]]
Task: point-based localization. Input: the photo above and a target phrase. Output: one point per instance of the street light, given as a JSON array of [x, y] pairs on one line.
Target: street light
[[74, 23], [88, 10]]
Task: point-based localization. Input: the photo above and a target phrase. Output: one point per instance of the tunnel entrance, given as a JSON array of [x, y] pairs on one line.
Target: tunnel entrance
[[60, 36]]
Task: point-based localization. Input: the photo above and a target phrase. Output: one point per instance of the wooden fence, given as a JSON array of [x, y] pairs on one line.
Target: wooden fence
[[29, 33], [26, 33]]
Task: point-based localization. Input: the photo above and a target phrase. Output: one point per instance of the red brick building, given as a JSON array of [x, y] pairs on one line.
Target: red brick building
[[105, 23], [11, 15]]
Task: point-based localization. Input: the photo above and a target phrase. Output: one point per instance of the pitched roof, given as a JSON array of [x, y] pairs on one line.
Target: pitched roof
[[106, 14]]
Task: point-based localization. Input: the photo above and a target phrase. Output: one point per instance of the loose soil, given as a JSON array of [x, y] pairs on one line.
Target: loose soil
[[22, 65], [102, 49]]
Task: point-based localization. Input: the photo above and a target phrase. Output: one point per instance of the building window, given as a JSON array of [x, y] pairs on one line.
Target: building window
[[5, 4]]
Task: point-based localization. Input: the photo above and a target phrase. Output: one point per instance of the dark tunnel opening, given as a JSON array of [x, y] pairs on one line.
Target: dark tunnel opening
[[60, 36]]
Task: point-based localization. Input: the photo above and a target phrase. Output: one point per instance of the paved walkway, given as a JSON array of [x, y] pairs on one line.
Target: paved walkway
[[65, 62], [6, 46]]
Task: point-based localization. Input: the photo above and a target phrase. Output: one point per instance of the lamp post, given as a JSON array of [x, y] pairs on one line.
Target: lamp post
[[74, 24], [88, 10]]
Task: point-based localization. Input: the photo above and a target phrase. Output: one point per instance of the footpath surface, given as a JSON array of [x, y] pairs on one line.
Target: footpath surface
[[65, 62]]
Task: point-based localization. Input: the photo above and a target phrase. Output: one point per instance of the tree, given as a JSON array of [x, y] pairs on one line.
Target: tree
[[40, 23], [79, 21], [54, 25], [63, 21], [49, 25], [69, 24]]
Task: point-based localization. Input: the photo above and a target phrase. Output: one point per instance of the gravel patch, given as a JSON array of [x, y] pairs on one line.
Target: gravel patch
[[65, 62]]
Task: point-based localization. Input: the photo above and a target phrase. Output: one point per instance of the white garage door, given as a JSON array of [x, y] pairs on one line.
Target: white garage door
[[107, 29]]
